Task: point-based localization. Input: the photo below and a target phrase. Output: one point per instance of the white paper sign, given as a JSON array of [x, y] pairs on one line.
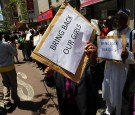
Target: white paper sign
[[110, 49], [65, 43]]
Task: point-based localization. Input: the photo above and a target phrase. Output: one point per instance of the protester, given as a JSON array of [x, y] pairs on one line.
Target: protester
[[36, 40], [108, 26], [31, 40], [76, 98], [8, 73], [115, 74], [27, 48], [101, 24], [21, 45], [14, 41], [128, 97], [104, 31]]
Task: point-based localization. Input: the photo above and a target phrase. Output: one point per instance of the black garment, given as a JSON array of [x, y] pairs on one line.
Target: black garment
[[128, 92], [31, 42], [85, 92]]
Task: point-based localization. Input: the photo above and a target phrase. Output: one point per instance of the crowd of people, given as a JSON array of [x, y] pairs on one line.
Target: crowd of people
[[115, 79], [10, 43], [25, 41]]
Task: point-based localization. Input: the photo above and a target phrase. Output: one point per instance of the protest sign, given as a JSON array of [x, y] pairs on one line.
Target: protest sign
[[111, 47], [62, 45]]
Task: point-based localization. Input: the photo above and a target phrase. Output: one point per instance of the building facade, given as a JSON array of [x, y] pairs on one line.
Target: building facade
[[130, 4], [103, 8], [56, 3], [92, 9], [40, 6]]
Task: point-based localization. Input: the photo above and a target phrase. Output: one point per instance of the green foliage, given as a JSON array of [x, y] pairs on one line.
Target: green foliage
[[10, 6], [6, 14], [23, 9]]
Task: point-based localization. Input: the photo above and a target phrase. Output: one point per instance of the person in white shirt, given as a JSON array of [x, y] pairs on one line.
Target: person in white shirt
[[115, 74]]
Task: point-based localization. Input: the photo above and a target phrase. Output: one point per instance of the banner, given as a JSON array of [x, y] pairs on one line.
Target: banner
[[62, 45], [84, 3], [46, 15], [111, 47]]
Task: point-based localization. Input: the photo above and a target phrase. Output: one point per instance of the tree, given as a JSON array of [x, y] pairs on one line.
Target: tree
[[10, 8], [6, 14], [21, 4], [23, 9]]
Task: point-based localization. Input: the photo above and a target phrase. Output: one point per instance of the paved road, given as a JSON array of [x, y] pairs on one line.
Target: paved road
[[35, 99]]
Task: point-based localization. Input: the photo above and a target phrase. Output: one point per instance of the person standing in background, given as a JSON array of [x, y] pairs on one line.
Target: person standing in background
[[107, 26], [9, 75], [13, 43], [115, 74]]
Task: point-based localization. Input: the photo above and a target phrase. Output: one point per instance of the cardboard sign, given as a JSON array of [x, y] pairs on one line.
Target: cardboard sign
[[62, 45], [111, 47]]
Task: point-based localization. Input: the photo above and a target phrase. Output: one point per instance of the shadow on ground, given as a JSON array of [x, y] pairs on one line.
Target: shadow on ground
[[19, 63], [35, 107]]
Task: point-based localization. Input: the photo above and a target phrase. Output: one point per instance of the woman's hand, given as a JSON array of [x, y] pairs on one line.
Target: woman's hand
[[91, 51], [124, 55], [48, 72]]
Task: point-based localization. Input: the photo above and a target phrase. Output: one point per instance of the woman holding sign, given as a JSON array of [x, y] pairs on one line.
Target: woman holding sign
[[115, 74], [76, 98]]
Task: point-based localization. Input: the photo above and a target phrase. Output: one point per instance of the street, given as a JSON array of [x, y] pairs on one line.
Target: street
[[36, 97]]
